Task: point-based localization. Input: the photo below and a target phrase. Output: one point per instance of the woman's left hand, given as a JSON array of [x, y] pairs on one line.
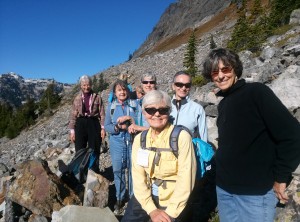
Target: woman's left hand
[[279, 189]]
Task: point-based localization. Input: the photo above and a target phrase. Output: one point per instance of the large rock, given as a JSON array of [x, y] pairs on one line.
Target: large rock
[[295, 17], [96, 190], [81, 213], [287, 87], [39, 190], [291, 212]]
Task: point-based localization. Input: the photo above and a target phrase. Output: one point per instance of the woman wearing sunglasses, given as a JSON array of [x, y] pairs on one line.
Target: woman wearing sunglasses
[[258, 142], [190, 114], [184, 110], [162, 183], [120, 140], [148, 83]]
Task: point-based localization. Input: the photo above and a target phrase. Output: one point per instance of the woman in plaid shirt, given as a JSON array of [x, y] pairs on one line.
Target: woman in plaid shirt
[[87, 119]]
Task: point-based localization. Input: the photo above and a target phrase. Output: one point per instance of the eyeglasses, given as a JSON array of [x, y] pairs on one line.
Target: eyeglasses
[[150, 82], [225, 70], [180, 84], [162, 111]]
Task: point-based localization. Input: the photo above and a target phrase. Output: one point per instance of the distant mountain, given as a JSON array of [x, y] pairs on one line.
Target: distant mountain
[[14, 89], [177, 19]]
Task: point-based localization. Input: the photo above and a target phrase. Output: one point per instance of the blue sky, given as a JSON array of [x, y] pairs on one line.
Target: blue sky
[[64, 39]]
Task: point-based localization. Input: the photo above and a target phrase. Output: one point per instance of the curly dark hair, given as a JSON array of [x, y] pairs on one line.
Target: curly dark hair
[[227, 56]]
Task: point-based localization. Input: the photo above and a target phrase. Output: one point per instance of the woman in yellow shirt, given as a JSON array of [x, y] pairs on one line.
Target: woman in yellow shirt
[[162, 182]]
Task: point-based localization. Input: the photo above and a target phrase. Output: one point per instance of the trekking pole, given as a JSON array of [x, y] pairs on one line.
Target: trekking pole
[[128, 168], [119, 201]]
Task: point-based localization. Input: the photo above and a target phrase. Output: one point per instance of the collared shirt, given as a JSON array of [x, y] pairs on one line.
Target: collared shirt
[[96, 109], [180, 171]]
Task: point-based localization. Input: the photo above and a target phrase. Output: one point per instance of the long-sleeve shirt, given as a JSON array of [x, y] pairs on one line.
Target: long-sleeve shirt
[[116, 110], [96, 109], [259, 140], [191, 115], [179, 172]]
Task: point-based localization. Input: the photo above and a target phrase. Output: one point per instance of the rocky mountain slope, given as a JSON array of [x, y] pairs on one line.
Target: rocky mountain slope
[[278, 66], [14, 89], [177, 18]]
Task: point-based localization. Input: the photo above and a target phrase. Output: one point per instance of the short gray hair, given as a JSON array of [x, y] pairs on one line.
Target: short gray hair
[[155, 97], [85, 78], [148, 75]]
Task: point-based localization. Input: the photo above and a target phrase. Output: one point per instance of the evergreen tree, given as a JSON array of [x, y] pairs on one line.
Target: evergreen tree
[[281, 10], [129, 57], [50, 99], [240, 34], [28, 110], [103, 85], [99, 84], [190, 56], [5, 116], [95, 83], [11, 130]]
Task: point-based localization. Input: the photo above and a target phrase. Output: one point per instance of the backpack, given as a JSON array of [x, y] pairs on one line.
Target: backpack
[[131, 103], [83, 160], [203, 151]]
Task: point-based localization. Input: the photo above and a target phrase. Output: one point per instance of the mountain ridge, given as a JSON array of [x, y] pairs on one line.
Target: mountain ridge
[[14, 89]]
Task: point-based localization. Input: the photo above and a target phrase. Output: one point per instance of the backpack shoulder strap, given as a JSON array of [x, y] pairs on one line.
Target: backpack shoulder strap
[[174, 138], [112, 108], [143, 138]]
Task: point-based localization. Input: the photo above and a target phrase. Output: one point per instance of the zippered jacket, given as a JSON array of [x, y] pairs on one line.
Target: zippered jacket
[[191, 115]]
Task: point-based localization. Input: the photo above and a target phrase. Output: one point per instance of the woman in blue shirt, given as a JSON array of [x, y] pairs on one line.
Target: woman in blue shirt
[[116, 124]]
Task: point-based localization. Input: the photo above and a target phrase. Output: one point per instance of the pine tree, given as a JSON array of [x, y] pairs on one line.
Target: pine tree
[[99, 84], [50, 99], [129, 57], [103, 85], [95, 83], [240, 34], [5, 115], [190, 56], [11, 130], [281, 10]]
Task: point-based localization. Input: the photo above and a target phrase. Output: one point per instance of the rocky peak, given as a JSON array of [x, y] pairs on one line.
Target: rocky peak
[[180, 16], [14, 89]]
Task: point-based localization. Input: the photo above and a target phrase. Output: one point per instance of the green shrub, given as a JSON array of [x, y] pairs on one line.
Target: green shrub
[[199, 80]]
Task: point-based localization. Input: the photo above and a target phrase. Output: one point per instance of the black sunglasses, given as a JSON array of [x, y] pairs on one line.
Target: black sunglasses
[[180, 84], [146, 82], [161, 111]]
